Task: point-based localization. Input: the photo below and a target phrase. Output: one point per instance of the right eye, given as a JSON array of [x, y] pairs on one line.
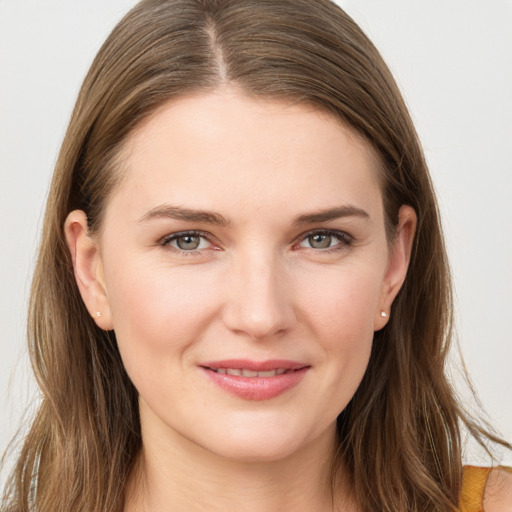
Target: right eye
[[191, 242]]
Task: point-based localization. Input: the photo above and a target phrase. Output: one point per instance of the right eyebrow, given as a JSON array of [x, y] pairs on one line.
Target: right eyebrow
[[187, 214]]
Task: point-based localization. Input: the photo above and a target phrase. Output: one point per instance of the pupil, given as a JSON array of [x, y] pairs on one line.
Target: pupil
[[320, 241], [188, 242]]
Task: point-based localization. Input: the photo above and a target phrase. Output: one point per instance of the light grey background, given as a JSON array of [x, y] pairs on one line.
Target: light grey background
[[452, 59]]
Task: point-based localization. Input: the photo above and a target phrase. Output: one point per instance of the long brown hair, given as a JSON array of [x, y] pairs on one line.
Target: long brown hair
[[400, 435]]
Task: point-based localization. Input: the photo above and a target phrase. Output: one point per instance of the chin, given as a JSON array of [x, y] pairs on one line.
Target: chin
[[267, 443], [263, 450]]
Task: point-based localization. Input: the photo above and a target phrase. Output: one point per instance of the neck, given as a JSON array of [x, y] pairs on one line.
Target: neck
[[175, 474]]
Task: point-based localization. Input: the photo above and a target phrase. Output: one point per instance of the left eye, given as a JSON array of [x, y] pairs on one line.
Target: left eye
[[324, 240], [187, 242]]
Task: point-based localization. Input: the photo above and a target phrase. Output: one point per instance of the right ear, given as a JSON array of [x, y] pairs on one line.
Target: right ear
[[88, 268]]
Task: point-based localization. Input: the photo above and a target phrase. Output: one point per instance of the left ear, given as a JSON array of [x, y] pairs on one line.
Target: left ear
[[399, 257]]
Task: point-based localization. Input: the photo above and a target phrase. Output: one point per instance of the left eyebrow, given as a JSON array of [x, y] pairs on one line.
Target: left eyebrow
[[330, 214]]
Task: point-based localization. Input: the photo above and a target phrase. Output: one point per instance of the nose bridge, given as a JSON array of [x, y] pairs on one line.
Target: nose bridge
[[259, 300]]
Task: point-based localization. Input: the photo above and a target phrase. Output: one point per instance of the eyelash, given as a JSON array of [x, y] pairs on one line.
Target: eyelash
[[166, 242], [345, 240]]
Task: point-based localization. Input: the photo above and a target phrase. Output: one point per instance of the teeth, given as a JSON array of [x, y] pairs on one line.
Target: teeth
[[250, 373]]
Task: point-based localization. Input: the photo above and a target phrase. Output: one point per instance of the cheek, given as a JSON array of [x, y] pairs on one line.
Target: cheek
[[157, 311], [342, 303], [341, 312]]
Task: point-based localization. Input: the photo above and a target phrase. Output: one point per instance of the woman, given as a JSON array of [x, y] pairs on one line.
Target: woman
[[242, 298]]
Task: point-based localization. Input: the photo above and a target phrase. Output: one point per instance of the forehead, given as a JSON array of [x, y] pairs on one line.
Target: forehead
[[224, 148]]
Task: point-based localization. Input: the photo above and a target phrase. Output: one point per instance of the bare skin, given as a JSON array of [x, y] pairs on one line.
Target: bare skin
[[299, 482], [242, 229]]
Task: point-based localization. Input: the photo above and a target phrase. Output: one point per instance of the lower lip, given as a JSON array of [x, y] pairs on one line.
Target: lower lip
[[256, 388]]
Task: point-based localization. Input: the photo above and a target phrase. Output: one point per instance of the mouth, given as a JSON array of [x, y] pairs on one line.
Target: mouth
[[245, 372], [255, 380]]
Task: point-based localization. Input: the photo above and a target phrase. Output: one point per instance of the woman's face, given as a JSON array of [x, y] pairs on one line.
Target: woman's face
[[243, 265]]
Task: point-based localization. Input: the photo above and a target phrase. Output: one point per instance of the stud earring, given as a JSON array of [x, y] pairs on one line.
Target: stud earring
[[383, 314], [97, 314]]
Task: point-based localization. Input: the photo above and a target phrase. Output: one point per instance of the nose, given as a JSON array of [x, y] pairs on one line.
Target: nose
[[259, 298]]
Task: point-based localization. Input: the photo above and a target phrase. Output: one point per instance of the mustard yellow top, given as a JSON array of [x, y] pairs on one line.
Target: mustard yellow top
[[473, 488]]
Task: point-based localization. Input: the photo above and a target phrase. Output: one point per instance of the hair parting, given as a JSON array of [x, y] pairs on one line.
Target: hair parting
[[400, 436]]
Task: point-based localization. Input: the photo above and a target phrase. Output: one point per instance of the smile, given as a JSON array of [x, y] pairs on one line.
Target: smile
[[252, 380], [244, 372]]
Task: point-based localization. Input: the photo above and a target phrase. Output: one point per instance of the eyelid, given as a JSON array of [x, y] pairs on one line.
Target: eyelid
[[165, 241], [345, 239]]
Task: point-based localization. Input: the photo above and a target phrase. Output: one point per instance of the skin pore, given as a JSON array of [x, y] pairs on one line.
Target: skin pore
[[242, 229]]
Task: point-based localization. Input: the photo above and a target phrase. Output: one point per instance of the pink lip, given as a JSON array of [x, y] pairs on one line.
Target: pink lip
[[256, 388]]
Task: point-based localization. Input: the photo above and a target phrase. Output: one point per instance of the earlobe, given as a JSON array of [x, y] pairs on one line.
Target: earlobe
[[88, 268], [400, 255]]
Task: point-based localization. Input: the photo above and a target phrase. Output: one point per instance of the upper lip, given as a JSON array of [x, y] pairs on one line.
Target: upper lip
[[257, 366]]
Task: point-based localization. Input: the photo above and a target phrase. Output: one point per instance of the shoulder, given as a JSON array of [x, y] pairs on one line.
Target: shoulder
[[498, 491], [486, 489]]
